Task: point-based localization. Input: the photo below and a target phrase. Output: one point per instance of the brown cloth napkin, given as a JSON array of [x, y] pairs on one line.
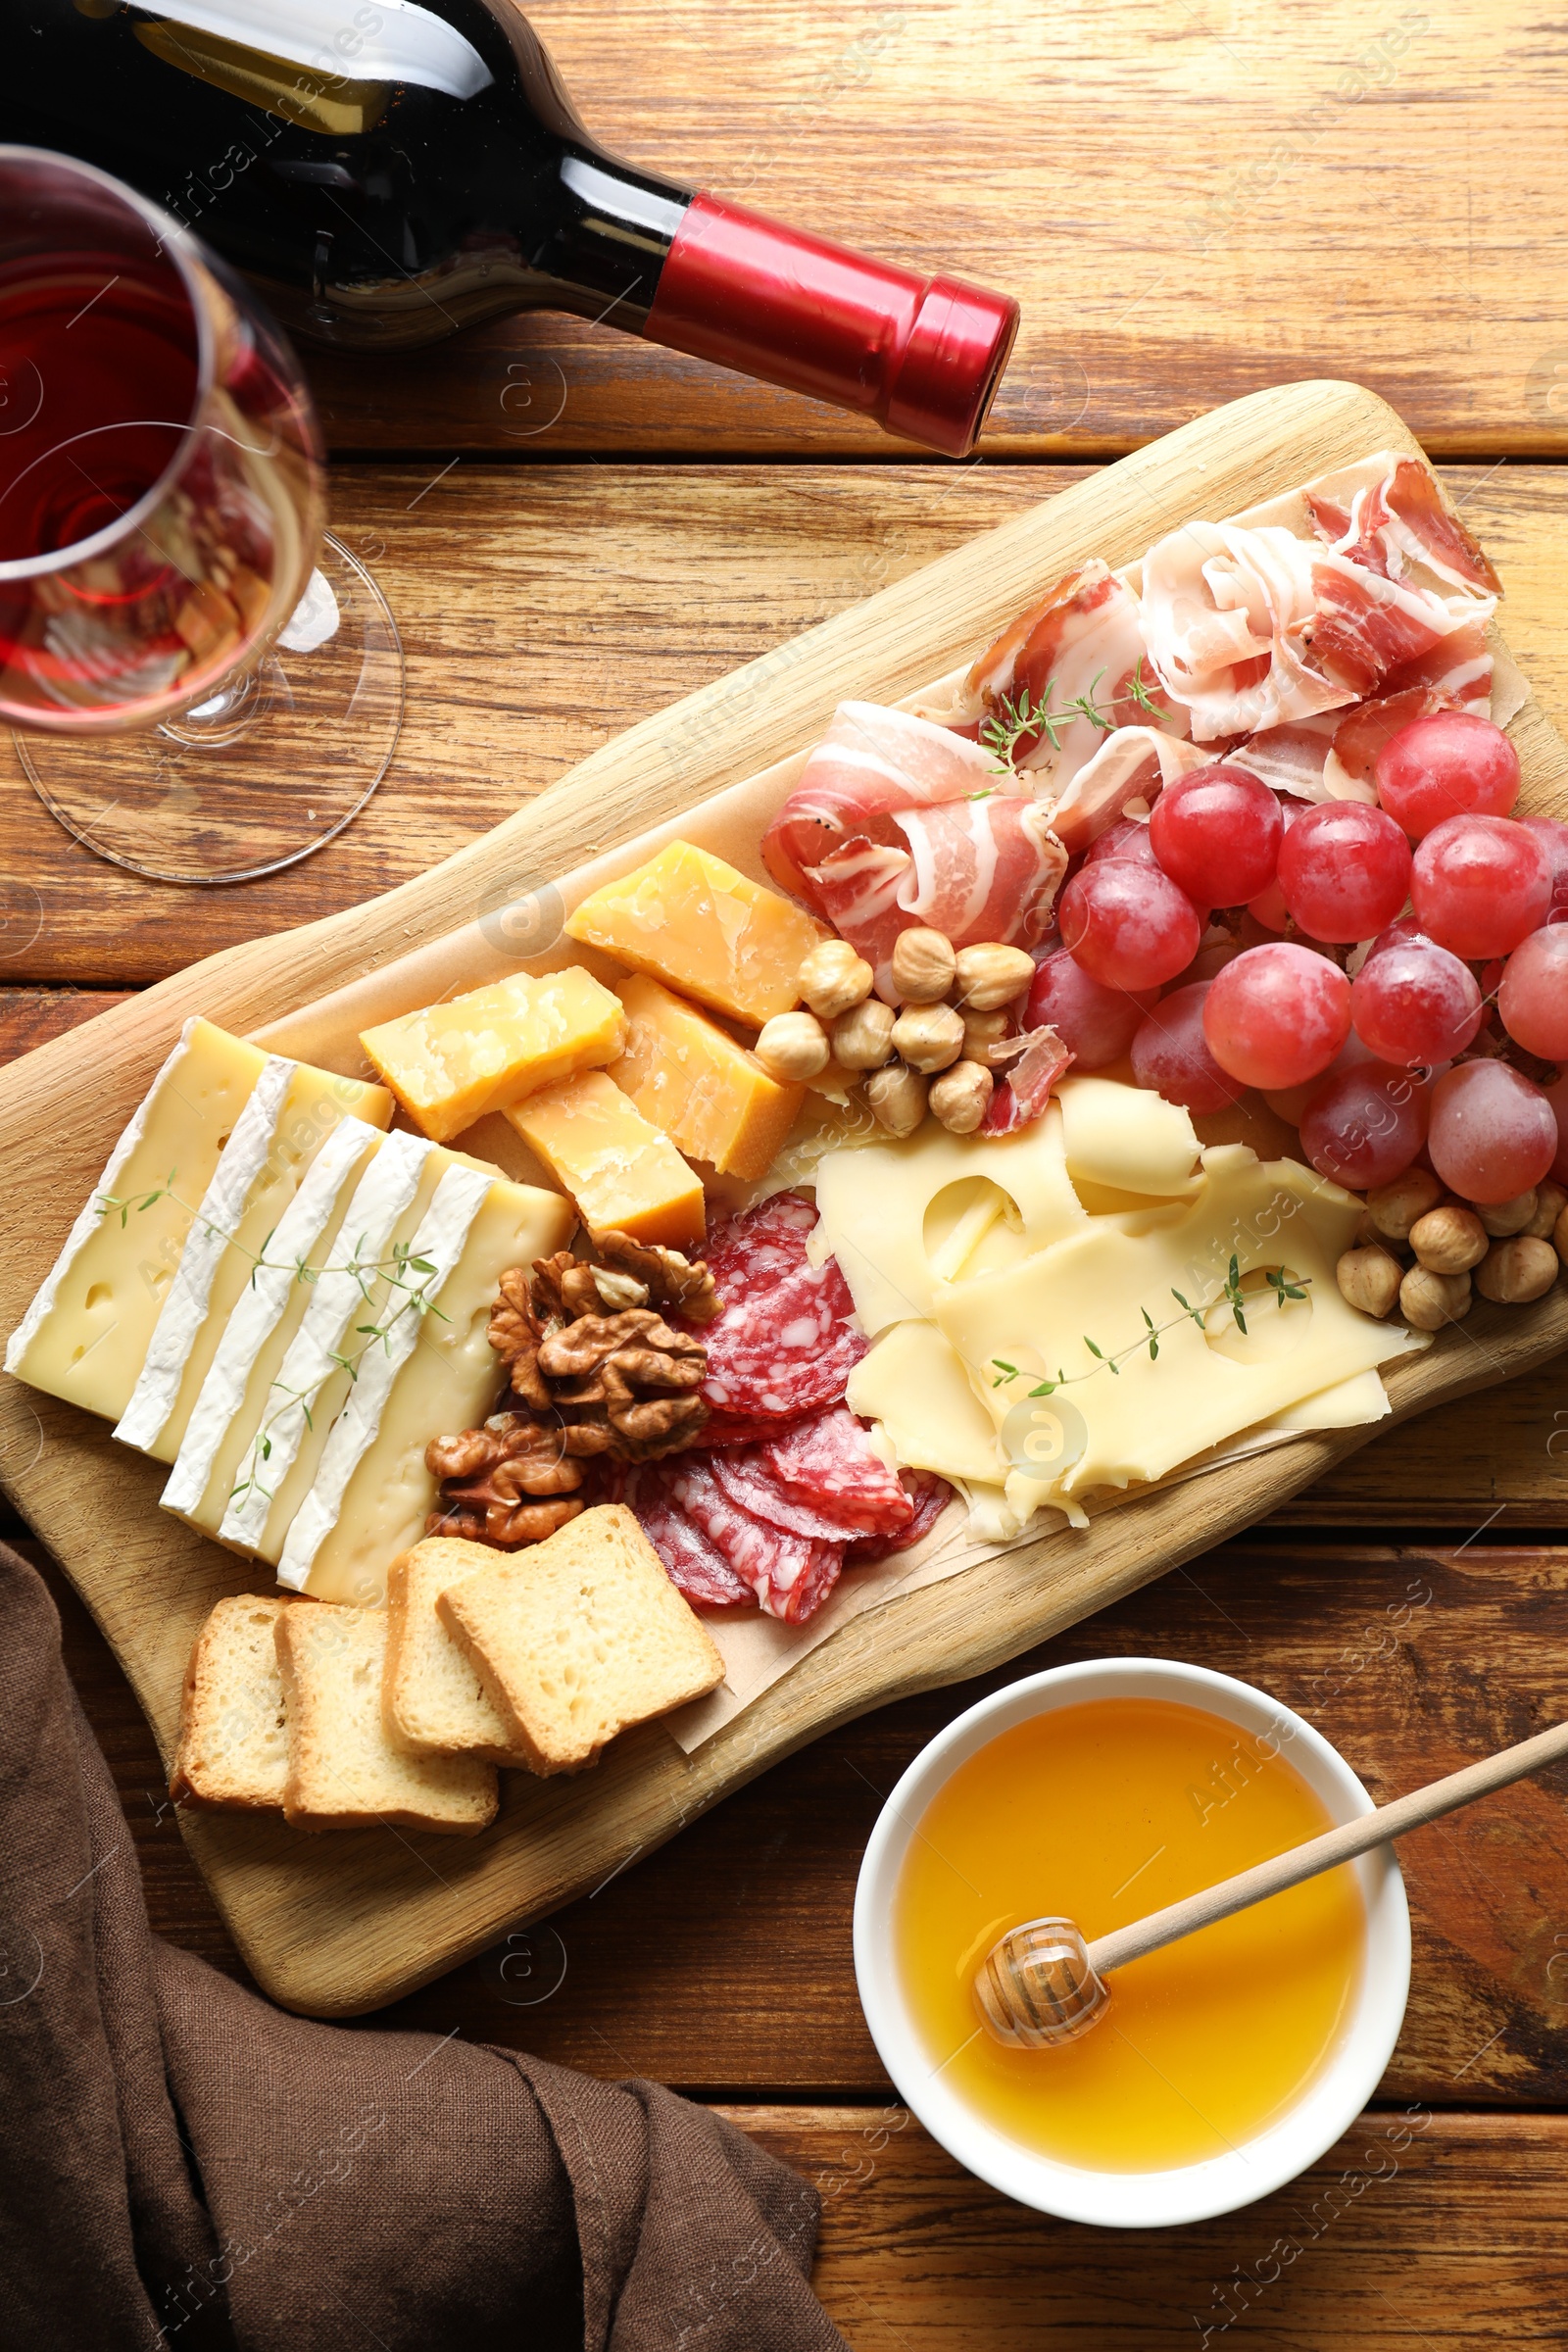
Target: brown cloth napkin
[[183, 2165]]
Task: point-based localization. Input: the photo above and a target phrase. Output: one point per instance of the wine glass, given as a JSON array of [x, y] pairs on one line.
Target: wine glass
[[211, 686]]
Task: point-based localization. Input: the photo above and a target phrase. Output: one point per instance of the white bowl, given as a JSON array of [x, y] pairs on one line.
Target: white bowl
[[1191, 2192]]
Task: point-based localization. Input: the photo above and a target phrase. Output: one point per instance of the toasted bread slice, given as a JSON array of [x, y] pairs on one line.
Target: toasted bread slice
[[343, 1770], [432, 1697], [233, 1743], [580, 1636]]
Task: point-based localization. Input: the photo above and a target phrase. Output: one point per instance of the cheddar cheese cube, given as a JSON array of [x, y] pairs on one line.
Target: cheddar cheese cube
[[451, 1063], [623, 1172], [692, 922], [712, 1099]]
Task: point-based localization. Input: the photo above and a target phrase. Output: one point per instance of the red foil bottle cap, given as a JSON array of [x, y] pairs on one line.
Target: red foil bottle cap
[[921, 354]]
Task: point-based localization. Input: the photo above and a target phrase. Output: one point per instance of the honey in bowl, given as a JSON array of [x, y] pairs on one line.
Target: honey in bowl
[[1104, 1812]]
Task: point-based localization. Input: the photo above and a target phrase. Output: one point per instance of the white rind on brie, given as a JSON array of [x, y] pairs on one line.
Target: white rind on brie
[[439, 1240], [184, 1309]]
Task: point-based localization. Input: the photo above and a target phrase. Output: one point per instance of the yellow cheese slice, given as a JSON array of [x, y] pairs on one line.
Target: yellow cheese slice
[[1036, 1320], [451, 1063], [625, 1174], [689, 1077], [1347, 1405], [1123, 1139], [689, 919], [881, 1210], [913, 1384]]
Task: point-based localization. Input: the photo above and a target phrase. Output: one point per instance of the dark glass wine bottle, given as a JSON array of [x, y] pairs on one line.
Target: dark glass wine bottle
[[388, 173]]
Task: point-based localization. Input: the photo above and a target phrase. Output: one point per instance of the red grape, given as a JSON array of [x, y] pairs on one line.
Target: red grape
[[1364, 1126], [1269, 907], [1277, 1016], [1127, 838], [1128, 925], [1532, 998], [1479, 884], [1289, 1102], [1492, 1134], [1449, 763], [1344, 869], [1218, 834], [1552, 834], [1416, 1003], [1096, 1024], [1171, 1056], [1556, 1094]]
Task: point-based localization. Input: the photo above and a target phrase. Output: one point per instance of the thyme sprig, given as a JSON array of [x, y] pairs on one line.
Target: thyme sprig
[[1019, 715], [1230, 1292], [365, 1272]]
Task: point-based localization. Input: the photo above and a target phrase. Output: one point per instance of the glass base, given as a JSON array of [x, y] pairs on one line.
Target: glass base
[[264, 772]]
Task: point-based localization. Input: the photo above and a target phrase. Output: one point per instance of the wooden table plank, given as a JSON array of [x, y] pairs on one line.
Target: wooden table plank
[[1191, 201], [546, 609], [1411, 1661], [1418, 2228]]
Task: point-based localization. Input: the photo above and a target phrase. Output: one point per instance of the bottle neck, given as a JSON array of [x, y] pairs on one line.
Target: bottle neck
[[604, 235]]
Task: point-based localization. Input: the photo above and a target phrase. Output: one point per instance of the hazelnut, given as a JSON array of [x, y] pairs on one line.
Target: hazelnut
[[862, 1037], [992, 975], [792, 1047], [1550, 1202], [1369, 1279], [897, 1099], [833, 978], [1515, 1271], [922, 967], [982, 1031], [1428, 1300], [1449, 1240], [1395, 1207], [961, 1097], [929, 1038], [1505, 1217]]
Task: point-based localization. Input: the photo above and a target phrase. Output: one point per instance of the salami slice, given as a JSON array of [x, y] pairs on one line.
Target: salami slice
[[829, 1463], [722, 1430], [792, 1575], [930, 1496], [747, 1480], [694, 1565]]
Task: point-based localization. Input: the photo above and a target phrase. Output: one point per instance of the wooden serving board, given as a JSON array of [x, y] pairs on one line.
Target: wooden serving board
[[344, 1922]]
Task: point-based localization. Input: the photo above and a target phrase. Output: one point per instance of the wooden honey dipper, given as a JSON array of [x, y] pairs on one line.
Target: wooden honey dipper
[[1041, 1985]]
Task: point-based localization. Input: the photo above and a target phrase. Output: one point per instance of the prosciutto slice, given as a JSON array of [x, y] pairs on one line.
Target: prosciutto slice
[[1398, 519], [1133, 764], [974, 869], [1081, 639], [871, 761]]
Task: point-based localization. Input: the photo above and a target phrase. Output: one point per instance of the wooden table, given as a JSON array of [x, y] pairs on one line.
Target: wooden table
[[1192, 198]]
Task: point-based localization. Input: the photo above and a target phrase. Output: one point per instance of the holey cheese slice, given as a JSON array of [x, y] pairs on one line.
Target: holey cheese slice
[[1125, 1142], [85, 1335], [433, 1372], [1036, 1320], [873, 1201], [269, 1313], [288, 1114]]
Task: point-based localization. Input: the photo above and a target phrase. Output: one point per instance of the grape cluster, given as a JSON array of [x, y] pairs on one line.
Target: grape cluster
[[1466, 911]]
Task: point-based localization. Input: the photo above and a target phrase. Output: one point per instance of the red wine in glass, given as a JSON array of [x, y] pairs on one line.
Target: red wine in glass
[[161, 499]]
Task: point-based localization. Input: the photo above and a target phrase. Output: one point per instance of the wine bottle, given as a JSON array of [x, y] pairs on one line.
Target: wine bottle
[[387, 172]]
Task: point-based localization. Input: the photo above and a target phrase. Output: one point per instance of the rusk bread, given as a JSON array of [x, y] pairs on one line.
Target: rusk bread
[[343, 1770], [233, 1745], [432, 1698], [580, 1636]]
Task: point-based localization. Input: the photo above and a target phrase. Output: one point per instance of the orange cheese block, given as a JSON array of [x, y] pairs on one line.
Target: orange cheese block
[[623, 1172], [690, 1077], [694, 922], [451, 1063]]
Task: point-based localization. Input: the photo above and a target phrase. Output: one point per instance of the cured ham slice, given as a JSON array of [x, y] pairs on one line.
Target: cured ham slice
[[1023, 1094], [1132, 765], [974, 869], [1368, 627], [1398, 519], [1226, 616], [1082, 640], [870, 761]]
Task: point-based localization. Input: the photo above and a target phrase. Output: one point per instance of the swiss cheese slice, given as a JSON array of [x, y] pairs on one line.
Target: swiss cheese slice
[[874, 1203], [1036, 1320], [85, 1335], [435, 1372], [1124, 1140], [292, 1109], [266, 1317], [917, 1389]]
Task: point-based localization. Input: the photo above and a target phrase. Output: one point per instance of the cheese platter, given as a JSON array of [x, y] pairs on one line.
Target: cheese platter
[[1100, 1188]]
